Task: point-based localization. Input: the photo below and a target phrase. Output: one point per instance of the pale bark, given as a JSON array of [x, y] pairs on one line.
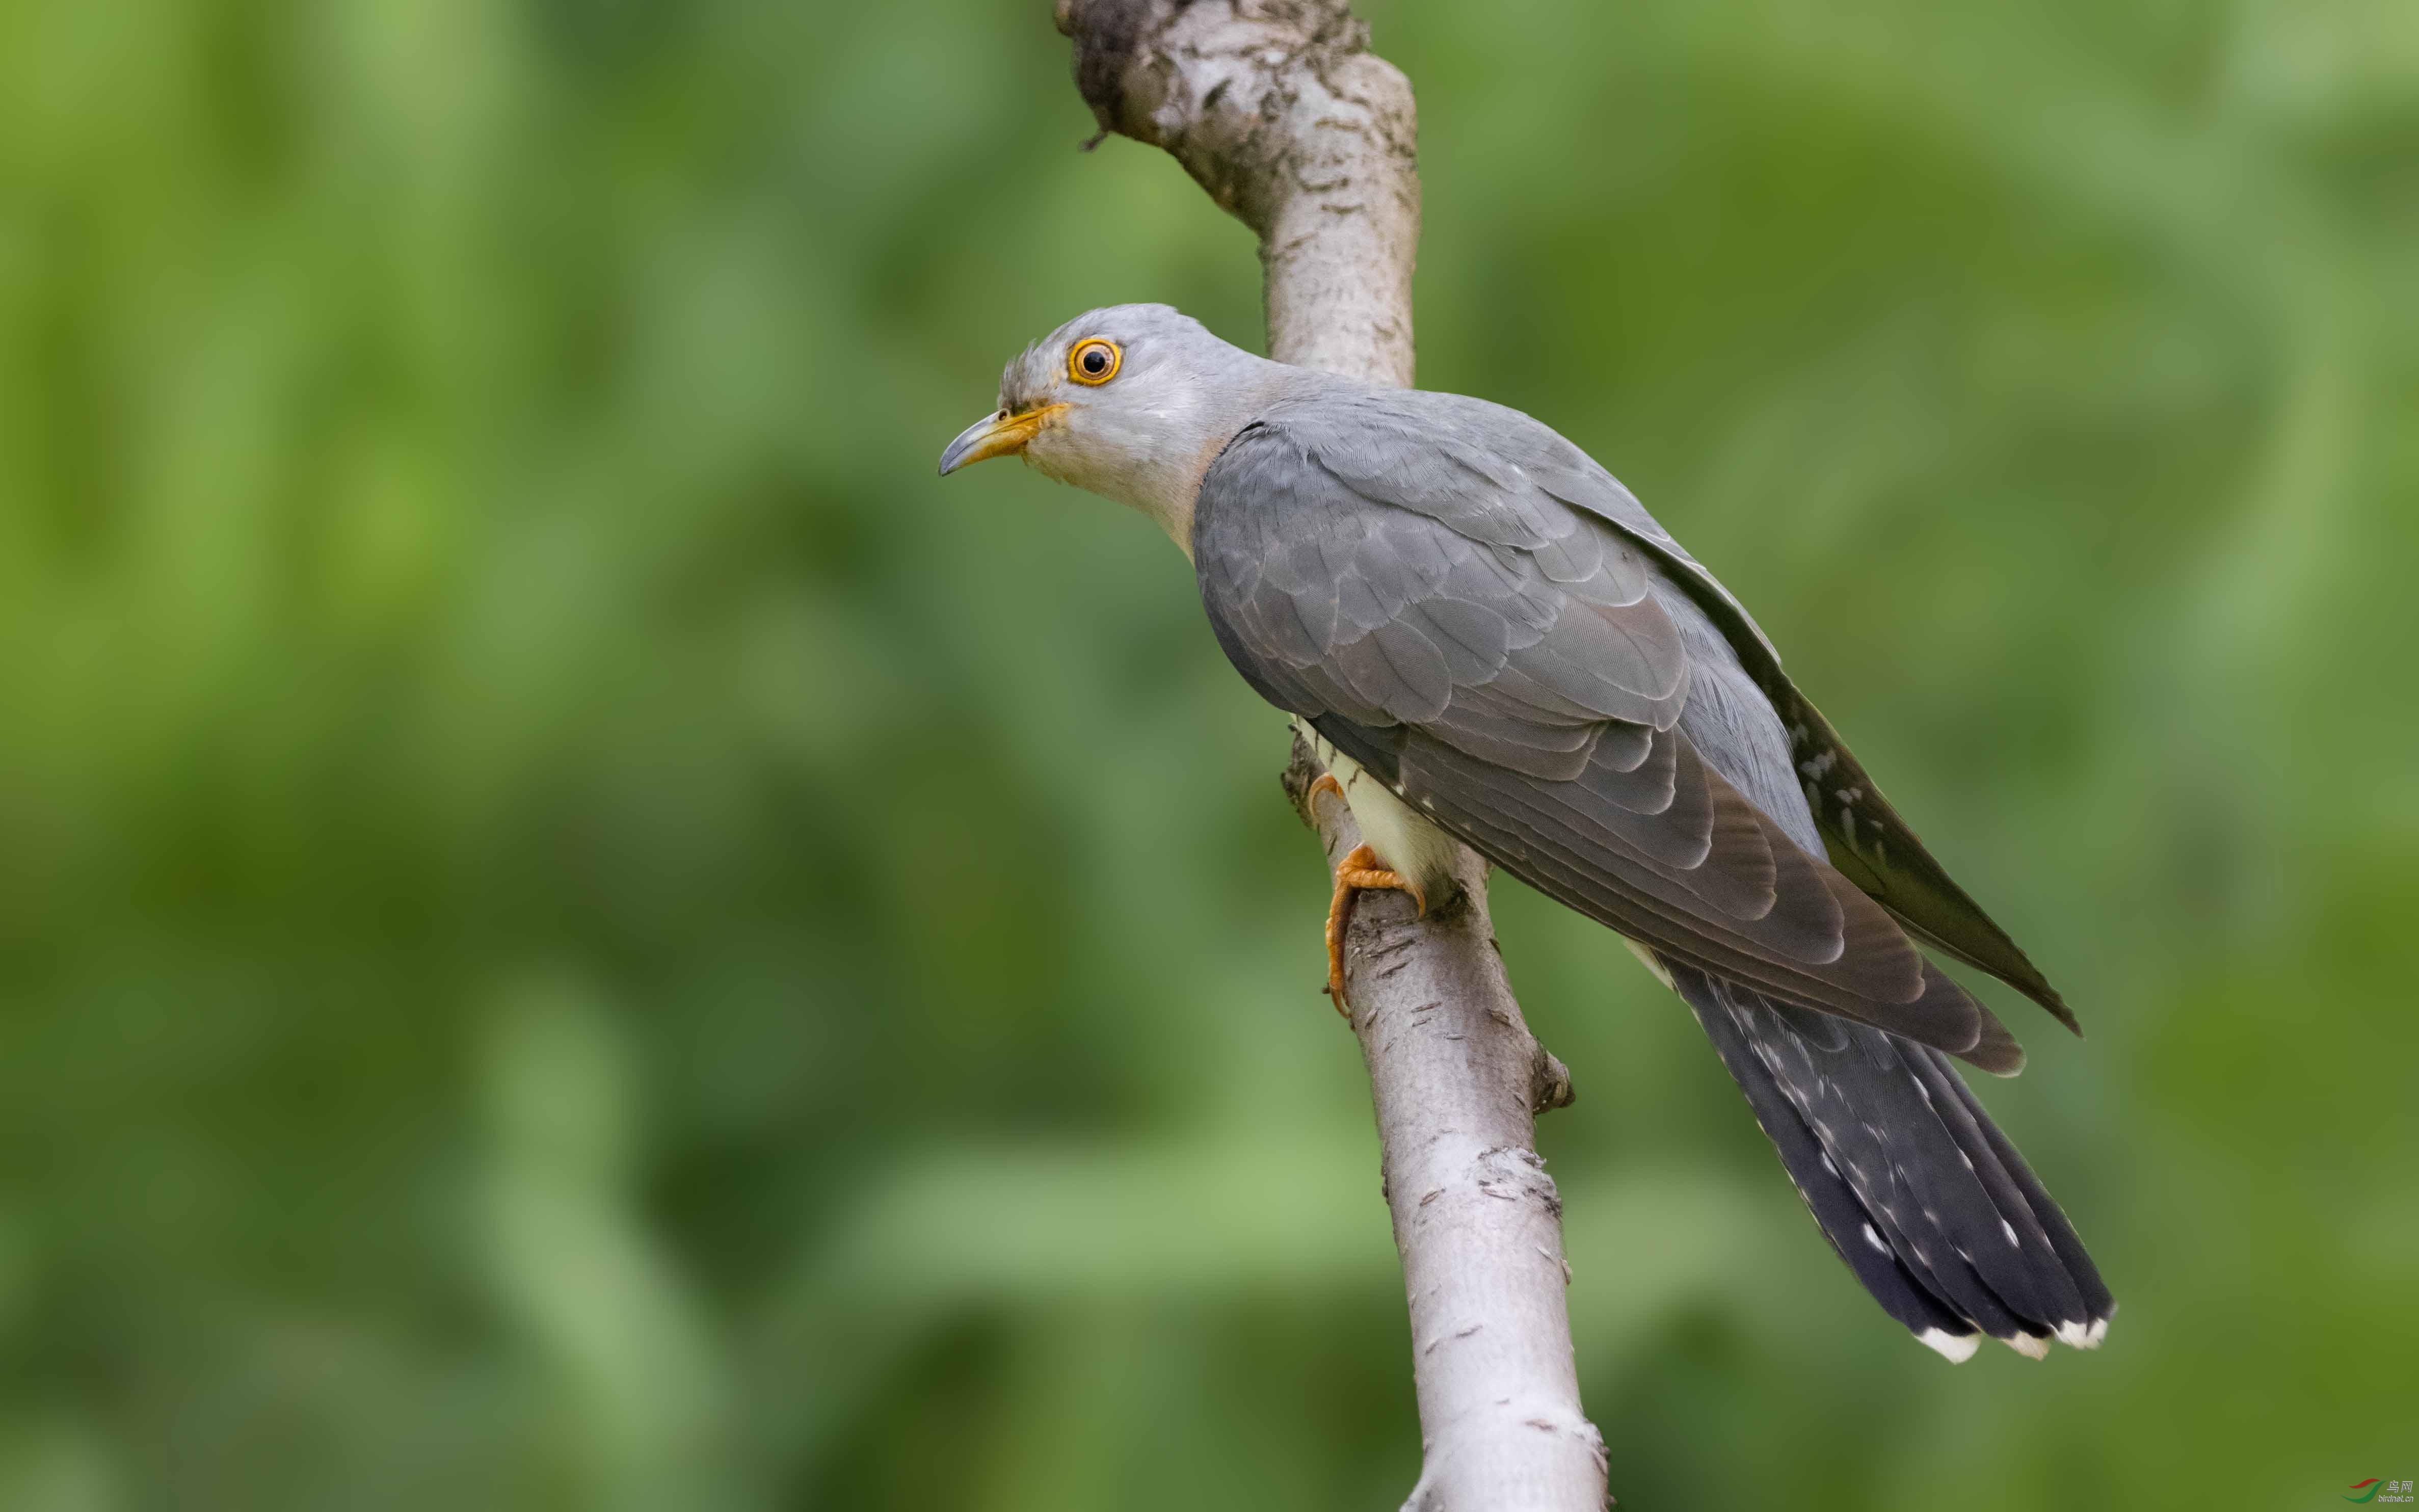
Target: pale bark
[[1280, 111]]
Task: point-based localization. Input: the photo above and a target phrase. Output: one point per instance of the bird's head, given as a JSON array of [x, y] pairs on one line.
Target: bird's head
[[1132, 402]]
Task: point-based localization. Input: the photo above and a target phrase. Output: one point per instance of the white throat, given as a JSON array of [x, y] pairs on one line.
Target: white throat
[[1161, 483]]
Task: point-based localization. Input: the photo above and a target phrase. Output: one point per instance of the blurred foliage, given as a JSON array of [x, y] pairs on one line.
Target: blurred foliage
[[579, 932]]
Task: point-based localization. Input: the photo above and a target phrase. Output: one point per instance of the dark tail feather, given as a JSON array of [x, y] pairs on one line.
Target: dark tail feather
[[1911, 1183]]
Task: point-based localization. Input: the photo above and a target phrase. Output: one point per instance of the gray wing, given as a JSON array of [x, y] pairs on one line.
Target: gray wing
[[1384, 564], [1861, 832]]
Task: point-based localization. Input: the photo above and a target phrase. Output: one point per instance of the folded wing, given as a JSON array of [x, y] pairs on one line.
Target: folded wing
[[1382, 565]]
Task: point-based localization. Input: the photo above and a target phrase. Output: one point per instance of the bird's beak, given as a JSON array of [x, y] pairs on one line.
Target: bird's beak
[[996, 435]]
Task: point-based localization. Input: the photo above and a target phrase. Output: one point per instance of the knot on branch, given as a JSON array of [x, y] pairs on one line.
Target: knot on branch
[[1107, 35], [1302, 769], [1549, 1081], [1513, 1172]]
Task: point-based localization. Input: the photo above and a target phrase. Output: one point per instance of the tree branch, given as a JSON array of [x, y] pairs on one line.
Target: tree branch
[[1280, 111]]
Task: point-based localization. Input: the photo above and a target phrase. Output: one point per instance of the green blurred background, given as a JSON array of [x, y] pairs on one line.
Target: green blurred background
[[570, 931]]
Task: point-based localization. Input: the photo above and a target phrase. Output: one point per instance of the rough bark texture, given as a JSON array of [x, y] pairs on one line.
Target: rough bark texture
[[1280, 111]]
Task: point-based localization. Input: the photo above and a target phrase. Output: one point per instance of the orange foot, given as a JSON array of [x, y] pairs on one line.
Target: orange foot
[[1359, 873]]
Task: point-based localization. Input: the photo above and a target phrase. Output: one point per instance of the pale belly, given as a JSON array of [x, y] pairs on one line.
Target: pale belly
[[1406, 841]]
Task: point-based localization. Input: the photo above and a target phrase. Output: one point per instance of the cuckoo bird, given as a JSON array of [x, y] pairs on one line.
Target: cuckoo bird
[[1487, 639]]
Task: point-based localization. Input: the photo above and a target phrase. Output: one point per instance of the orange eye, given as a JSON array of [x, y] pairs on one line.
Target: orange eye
[[1093, 362]]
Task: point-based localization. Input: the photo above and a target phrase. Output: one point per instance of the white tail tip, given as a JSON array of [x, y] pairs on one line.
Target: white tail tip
[[1955, 1349]]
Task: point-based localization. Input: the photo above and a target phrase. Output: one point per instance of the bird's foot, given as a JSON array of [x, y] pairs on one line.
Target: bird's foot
[[1359, 873]]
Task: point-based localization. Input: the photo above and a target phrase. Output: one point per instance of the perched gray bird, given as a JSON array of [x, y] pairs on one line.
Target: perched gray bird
[[1488, 638]]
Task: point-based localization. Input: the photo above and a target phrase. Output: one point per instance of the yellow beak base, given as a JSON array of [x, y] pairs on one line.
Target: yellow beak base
[[996, 435]]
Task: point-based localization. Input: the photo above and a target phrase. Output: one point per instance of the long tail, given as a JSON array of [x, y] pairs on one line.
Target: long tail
[[1910, 1181]]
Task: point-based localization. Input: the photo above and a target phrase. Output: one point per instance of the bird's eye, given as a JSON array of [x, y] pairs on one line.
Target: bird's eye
[[1094, 361]]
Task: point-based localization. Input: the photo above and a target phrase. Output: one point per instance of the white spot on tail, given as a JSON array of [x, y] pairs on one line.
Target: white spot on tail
[[1953, 1348], [2027, 1345], [1873, 1237]]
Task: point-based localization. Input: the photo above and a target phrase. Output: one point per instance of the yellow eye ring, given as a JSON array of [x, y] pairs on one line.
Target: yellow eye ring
[[1094, 361]]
